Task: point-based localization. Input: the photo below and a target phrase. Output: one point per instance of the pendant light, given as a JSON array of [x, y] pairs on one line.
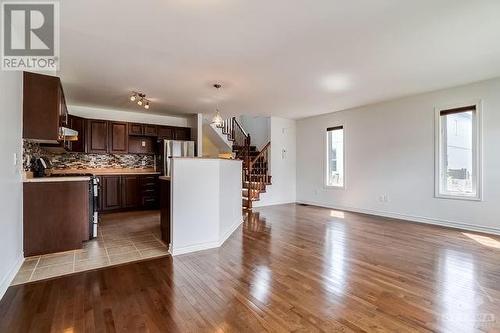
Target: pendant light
[[217, 119]]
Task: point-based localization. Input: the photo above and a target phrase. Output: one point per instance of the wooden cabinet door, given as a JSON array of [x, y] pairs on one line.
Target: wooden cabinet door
[[130, 191], [78, 124], [112, 193], [135, 129], [97, 136], [182, 133], [118, 137], [150, 130], [165, 132], [41, 106]]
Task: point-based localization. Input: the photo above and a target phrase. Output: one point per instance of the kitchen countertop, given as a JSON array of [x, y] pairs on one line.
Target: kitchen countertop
[[104, 172], [55, 179]]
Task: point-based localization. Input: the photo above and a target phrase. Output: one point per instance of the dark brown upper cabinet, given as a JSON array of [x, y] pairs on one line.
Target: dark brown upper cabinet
[[143, 130], [165, 132], [44, 107], [135, 129], [150, 130], [97, 136], [118, 137], [182, 133], [78, 124]]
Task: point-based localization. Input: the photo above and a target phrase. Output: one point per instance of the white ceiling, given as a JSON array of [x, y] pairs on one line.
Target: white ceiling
[[289, 58]]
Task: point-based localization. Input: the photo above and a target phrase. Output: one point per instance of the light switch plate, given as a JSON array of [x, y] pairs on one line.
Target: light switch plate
[[143, 143]]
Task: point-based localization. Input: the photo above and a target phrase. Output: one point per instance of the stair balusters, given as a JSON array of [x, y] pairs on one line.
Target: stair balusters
[[255, 171]]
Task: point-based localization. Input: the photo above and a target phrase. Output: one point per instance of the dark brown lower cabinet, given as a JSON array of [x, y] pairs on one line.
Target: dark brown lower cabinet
[[55, 216], [129, 192], [165, 210], [111, 193]]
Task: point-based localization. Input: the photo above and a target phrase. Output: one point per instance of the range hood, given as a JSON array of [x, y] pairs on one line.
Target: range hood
[[68, 134]]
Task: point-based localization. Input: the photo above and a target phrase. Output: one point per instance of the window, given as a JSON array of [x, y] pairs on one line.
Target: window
[[335, 156], [458, 172]]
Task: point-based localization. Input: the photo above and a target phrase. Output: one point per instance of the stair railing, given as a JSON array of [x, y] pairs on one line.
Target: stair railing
[[240, 139], [258, 171]]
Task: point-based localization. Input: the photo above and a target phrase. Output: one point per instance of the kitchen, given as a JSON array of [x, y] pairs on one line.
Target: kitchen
[[92, 186]]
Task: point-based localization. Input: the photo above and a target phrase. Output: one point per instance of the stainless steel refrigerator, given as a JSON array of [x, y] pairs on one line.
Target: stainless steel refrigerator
[[174, 148]]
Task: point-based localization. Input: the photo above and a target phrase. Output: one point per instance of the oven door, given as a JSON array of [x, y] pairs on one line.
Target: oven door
[[94, 204]]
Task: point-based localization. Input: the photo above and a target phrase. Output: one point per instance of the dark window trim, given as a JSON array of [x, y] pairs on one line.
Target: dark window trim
[[336, 128], [457, 110]]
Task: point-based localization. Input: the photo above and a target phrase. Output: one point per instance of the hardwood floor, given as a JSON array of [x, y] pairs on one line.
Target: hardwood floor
[[288, 268]]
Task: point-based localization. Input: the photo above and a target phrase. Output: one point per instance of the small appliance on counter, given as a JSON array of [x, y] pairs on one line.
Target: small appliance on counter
[[39, 165]]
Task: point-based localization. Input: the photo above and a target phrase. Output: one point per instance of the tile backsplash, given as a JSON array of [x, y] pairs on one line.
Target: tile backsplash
[[85, 161]]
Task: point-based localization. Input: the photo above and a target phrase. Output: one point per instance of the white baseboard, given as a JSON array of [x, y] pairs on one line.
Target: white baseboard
[[194, 248], [257, 204], [208, 245], [230, 231], [7, 280], [411, 218]]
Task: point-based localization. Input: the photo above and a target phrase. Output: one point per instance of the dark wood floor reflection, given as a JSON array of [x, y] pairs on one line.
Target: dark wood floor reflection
[[288, 268]]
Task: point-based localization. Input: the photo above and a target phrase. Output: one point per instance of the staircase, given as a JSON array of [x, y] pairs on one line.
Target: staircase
[[255, 163]]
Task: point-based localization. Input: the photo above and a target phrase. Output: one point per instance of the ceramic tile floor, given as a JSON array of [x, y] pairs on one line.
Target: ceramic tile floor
[[123, 237]]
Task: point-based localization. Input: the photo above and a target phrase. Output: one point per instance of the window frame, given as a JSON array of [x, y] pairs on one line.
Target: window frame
[[326, 160], [477, 146]]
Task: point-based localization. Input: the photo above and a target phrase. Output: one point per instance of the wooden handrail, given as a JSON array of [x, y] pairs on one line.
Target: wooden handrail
[[255, 171], [262, 151], [239, 125], [258, 172]]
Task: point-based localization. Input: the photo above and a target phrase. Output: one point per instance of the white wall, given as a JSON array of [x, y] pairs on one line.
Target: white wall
[[210, 149], [11, 235], [196, 123], [283, 164], [139, 117], [259, 129], [214, 141], [390, 150], [206, 202]]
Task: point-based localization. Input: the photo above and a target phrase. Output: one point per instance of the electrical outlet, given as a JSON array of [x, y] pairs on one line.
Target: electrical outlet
[[143, 143]]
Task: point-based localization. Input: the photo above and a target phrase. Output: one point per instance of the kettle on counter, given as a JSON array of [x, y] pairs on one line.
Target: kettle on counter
[[38, 166]]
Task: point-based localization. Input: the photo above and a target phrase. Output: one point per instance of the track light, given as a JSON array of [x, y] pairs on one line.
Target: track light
[[141, 99]]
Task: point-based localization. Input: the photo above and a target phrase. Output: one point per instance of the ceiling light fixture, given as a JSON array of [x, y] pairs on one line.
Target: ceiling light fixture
[[141, 99], [217, 119]]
